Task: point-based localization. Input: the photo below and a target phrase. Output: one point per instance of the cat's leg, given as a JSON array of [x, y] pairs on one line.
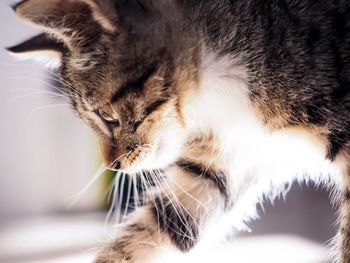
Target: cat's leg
[[344, 231], [137, 240], [192, 196]]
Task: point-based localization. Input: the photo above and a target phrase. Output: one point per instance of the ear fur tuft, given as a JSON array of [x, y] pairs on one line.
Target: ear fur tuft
[[35, 11], [14, 6], [40, 48]]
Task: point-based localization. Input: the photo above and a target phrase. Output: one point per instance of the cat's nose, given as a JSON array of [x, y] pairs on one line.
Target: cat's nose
[[116, 165]]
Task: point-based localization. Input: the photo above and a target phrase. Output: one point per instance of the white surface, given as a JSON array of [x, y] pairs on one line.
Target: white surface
[[36, 238], [68, 259], [66, 239]]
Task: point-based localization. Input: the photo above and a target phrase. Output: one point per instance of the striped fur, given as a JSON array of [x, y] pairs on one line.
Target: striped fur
[[231, 101]]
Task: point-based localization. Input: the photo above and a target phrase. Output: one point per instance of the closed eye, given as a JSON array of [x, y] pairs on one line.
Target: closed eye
[[109, 120], [154, 106]]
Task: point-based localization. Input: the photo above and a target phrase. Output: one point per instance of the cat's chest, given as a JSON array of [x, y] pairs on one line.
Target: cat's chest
[[282, 156], [243, 144]]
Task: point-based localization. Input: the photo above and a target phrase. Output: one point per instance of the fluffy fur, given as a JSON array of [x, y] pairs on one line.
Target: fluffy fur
[[220, 103]]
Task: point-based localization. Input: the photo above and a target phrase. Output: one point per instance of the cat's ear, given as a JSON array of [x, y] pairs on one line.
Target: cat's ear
[[68, 20], [41, 48]]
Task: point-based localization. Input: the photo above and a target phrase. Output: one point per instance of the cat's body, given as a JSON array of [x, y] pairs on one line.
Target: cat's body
[[231, 100]]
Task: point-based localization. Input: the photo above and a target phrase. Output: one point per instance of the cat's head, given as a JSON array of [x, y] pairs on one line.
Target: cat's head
[[127, 69]]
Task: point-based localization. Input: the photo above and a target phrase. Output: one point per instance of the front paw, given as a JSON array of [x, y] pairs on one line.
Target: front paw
[[119, 252], [135, 244]]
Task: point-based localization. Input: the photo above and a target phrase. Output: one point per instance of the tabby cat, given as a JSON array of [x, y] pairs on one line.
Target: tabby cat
[[222, 102]]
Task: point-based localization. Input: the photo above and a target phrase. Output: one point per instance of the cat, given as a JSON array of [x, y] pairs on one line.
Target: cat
[[221, 102]]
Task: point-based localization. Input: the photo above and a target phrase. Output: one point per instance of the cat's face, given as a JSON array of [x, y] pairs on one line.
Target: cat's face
[[120, 67], [135, 111], [138, 119]]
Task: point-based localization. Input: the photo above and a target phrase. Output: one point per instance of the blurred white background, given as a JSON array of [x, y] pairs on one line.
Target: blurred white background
[[47, 156]]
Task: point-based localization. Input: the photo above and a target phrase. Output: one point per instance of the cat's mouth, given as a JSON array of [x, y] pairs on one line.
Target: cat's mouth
[[141, 158], [147, 157], [158, 153]]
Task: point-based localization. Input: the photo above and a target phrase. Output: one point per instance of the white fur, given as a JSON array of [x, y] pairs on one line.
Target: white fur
[[49, 59], [260, 163]]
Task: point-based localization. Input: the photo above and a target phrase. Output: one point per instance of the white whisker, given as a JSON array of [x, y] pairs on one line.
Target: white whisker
[[56, 106], [116, 182], [73, 200], [119, 207]]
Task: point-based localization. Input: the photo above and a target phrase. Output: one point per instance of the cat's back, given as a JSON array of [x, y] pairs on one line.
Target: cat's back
[[297, 53], [303, 61], [303, 68]]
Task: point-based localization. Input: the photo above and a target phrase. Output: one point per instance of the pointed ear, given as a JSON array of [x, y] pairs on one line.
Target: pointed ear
[[68, 20], [40, 48]]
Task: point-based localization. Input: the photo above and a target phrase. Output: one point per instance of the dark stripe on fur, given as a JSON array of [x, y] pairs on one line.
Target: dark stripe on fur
[[176, 222], [154, 106], [337, 140], [135, 85], [148, 111], [218, 178]]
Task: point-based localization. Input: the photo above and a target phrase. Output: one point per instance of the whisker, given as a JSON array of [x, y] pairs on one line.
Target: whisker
[[59, 79], [37, 93], [152, 198], [128, 196], [114, 200], [187, 193], [118, 212], [176, 203], [137, 200], [67, 106], [74, 199], [109, 190]]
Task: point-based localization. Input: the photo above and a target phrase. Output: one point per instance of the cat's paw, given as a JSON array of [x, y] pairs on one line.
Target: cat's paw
[[136, 247], [110, 257], [116, 254]]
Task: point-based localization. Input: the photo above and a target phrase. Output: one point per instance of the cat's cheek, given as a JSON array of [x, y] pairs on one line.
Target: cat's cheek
[[167, 140], [165, 151], [169, 147]]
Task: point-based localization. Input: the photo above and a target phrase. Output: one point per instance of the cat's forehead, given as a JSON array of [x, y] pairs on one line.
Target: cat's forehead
[[121, 86], [101, 46]]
